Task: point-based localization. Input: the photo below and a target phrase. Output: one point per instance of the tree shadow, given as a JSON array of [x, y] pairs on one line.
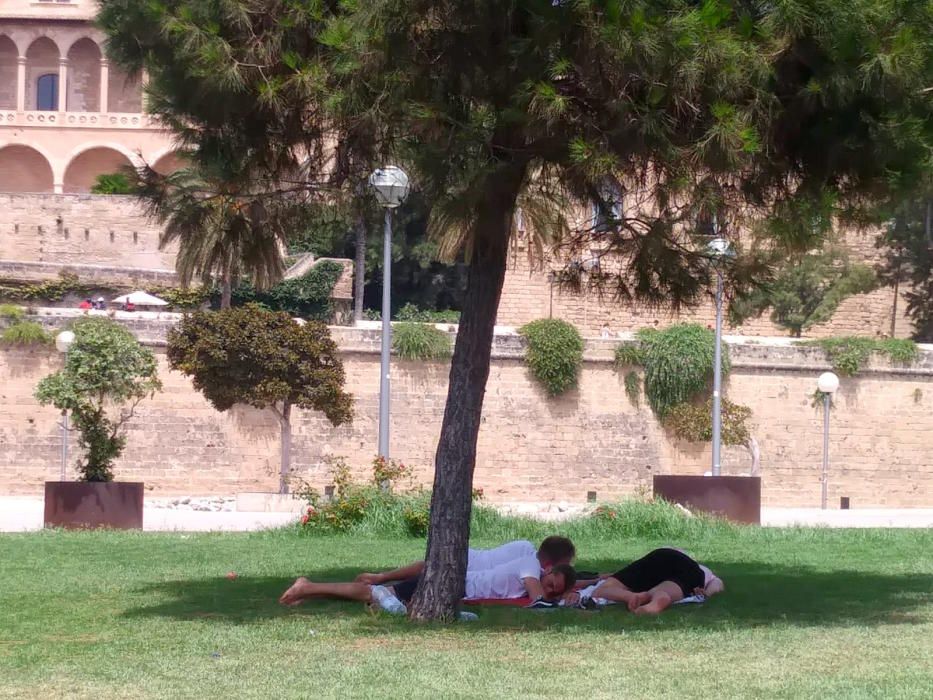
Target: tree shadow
[[757, 595]]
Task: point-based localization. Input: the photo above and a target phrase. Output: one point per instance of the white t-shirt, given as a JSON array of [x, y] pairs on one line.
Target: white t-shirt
[[503, 581], [480, 559]]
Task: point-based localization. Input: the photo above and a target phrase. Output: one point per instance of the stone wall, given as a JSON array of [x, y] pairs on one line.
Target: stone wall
[[80, 230], [531, 448], [528, 295]]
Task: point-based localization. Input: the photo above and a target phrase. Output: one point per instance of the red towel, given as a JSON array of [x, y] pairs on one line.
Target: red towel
[[516, 602]]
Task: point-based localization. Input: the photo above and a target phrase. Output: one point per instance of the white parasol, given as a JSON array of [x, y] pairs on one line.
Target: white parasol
[[139, 298]]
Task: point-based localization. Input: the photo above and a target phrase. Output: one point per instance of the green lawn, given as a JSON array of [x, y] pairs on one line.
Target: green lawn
[[807, 613]]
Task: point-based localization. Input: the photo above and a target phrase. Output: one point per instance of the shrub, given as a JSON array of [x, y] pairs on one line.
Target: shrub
[[554, 354], [105, 369], [417, 517], [678, 364], [694, 423], [410, 312], [112, 183], [11, 312], [849, 354], [633, 388], [627, 355], [308, 296], [420, 341], [26, 333]]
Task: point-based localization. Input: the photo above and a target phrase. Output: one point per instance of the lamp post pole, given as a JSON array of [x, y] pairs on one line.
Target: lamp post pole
[[384, 379], [717, 380], [827, 384], [64, 425], [824, 489], [720, 250], [63, 343], [390, 185]]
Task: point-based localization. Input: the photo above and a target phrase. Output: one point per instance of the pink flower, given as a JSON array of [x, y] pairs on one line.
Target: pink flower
[[304, 519]]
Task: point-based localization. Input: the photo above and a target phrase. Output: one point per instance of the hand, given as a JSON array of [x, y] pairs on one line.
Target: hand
[[571, 598], [371, 579], [699, 590]]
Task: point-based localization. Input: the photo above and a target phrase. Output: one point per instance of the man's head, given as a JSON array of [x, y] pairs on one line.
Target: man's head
[[556, 550], [558, 581]]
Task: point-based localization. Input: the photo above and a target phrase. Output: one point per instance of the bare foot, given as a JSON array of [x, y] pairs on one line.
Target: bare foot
[[371, 579], [654, 606], [715, 586], [297, 592], [638, 599]]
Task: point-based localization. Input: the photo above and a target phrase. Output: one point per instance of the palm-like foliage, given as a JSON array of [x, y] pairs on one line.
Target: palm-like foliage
[[220, 233]]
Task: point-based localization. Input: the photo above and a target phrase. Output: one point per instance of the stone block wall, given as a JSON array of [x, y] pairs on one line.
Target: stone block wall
[[528, 295], [80, 230], [531, 448]]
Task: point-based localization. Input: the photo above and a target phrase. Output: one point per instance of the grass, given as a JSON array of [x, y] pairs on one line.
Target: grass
[[807, 613]]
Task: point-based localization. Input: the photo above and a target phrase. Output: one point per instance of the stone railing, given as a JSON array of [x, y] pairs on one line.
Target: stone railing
[[84, 120]]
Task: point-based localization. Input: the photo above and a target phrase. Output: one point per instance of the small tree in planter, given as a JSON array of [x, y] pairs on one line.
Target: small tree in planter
[[105, 369], [264, 359]]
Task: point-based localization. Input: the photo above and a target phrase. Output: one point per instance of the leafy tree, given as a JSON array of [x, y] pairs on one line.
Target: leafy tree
[[492, 104], [264, 359], [220, 229], [105, 369], [807, 290], [908, 259], [112, 183]]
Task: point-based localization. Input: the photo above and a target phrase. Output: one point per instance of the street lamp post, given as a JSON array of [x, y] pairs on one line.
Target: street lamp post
[[390, 185], [827, 384], [63, 343], [719, 249]]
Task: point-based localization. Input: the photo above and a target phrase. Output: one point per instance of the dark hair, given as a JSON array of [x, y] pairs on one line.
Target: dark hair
[[556, 549], [569, 574]]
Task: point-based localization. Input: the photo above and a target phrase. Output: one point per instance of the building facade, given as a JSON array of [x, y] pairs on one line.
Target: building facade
[[66, 114]]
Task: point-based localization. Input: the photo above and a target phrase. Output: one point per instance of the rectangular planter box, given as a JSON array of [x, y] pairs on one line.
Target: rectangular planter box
[[80, 504], [736, 498]]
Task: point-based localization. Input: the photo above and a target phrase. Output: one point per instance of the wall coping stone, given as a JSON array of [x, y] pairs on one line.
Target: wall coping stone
[[750, 354]]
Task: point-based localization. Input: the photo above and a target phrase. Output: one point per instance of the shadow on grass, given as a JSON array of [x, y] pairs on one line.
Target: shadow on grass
[[756, 595]]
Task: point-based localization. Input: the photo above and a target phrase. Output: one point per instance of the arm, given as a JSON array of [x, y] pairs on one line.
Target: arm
[[533, 587], [406, 572]]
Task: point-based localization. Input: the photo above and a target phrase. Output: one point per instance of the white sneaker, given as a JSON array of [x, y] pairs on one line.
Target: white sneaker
[[387, 601]]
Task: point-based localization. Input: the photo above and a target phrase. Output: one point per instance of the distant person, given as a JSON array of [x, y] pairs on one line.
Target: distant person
[[653, 583], [554, 550], [86, 305], [129, 306], [101, 305]]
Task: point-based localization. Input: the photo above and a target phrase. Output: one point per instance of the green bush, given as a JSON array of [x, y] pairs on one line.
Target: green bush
[[52, 290], [410, 312], [849, 354], [554, 354], [26, 333], [633, 388], [308, 296], [678, 364], [420, 341], [417, 517], [181, 297], [694, 423], [11, 312], [627, 355], [112, 183]]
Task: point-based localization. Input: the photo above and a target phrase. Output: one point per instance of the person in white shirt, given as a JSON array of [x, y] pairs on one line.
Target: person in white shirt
[[554, 550], [517, 578]]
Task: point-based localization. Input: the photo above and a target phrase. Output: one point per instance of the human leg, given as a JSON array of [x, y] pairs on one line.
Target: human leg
[[616, 591], [303, 589], [659, 598], [413, 570]]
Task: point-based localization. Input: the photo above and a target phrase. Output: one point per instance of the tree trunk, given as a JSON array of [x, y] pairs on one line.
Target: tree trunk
[[359, 269], [226, 291], [285, 467], [442, 583]]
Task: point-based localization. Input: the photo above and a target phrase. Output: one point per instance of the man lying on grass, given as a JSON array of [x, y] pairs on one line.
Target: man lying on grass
[[554, 550], [516, 578], [651, 584]]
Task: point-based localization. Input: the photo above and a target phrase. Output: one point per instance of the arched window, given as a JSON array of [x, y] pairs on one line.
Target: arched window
[[47, 93]]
